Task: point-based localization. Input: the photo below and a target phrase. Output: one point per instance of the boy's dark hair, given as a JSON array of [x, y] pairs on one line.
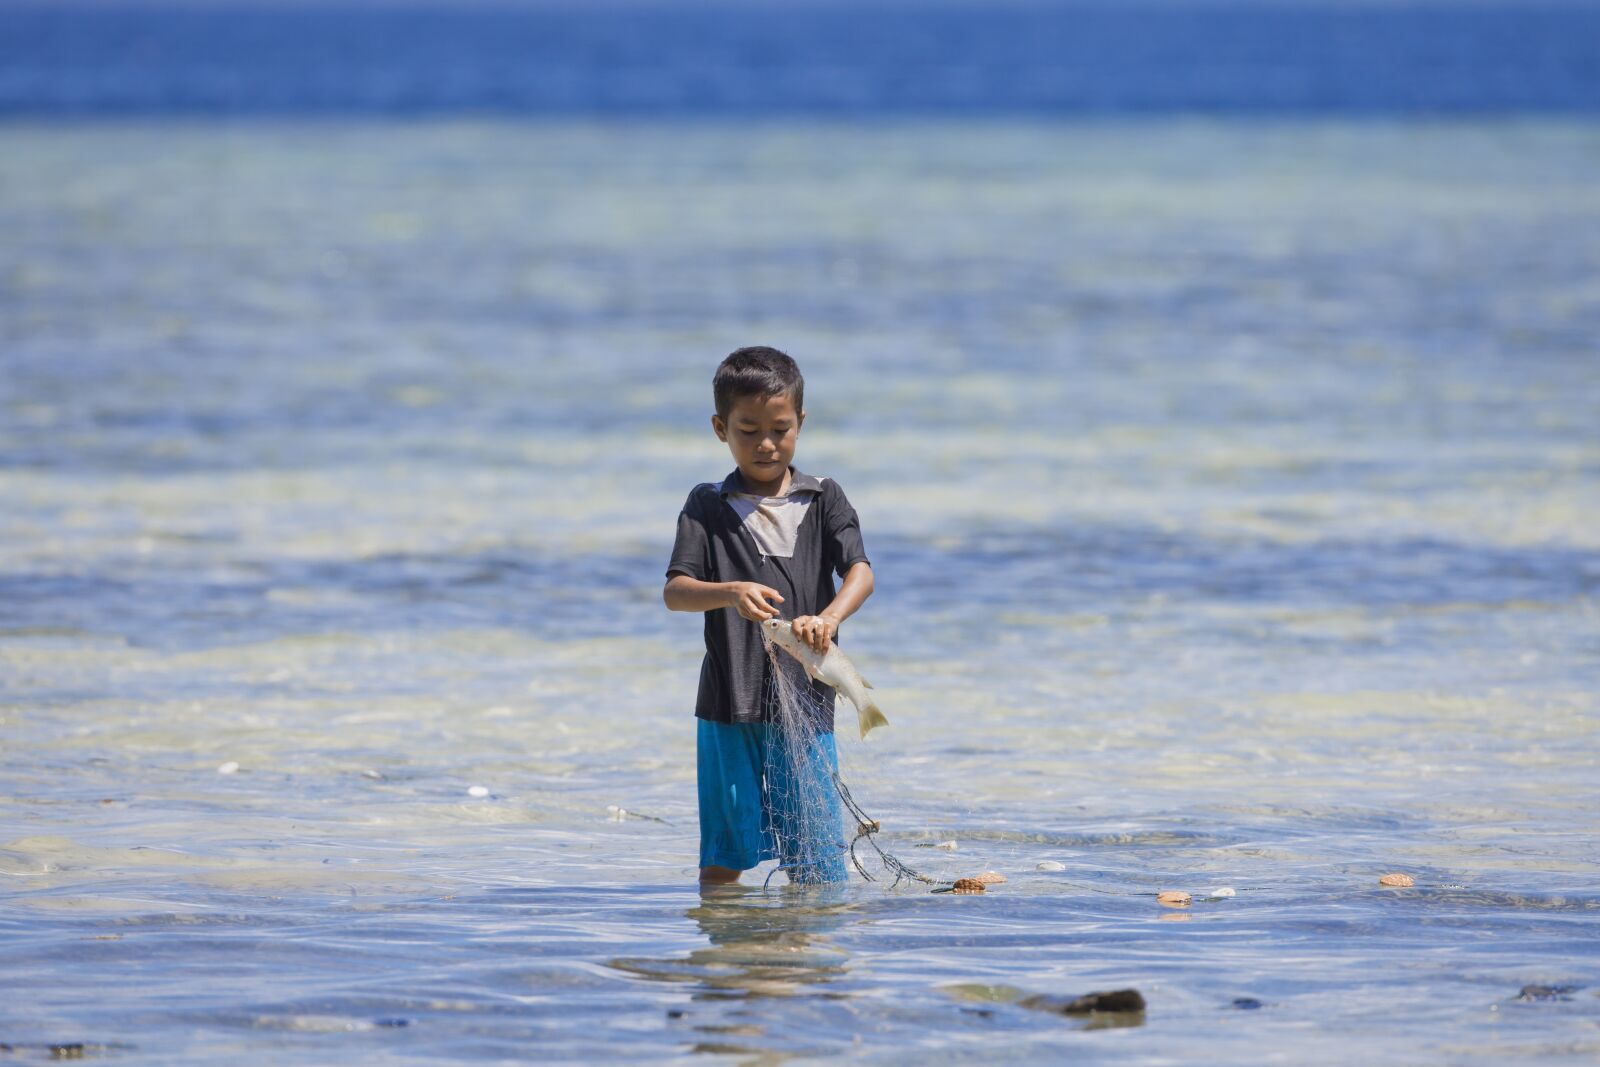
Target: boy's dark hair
[[756, 371]]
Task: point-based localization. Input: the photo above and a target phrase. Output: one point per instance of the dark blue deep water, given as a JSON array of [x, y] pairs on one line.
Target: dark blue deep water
[[1075, 58]]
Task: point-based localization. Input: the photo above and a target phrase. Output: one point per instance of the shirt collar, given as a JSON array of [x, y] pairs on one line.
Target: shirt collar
[[798, 483]]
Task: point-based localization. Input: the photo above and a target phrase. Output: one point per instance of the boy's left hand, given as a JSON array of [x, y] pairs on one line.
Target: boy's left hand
[[815, 630]]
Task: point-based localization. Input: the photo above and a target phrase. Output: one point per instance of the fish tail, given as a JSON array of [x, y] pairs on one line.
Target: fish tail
[[871, 718]]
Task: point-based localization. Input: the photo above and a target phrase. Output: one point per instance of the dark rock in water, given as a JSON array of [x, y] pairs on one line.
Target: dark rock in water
[[1118, 1000], [1547, 992], [64, 1050], [1246, 1003], [391, 1022], [676, 1013]]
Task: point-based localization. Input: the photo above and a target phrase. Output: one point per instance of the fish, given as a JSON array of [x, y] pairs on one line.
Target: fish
[[833, 668]]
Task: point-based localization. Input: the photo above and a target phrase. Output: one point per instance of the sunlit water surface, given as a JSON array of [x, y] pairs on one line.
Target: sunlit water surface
[[1234, 495]]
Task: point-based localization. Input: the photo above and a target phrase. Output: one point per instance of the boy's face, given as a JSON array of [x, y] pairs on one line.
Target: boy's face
[[761, 432]]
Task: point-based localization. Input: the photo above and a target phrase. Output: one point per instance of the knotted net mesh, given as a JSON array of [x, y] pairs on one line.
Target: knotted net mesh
[[821, 832]]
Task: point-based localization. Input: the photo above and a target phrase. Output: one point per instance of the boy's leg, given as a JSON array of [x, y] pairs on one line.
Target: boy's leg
[[733, 834]]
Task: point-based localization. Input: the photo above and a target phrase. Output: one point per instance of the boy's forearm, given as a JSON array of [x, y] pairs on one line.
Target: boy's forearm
[[683, 593], [852, 593]]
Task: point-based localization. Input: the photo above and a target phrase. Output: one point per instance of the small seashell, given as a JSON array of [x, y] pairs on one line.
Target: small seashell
[[1050, 865], [231, 767], [1222, 891], [477, 791], [1173, 898], [967, 885], [1402, 881], [376, 776], [989, 878], [948, 846]]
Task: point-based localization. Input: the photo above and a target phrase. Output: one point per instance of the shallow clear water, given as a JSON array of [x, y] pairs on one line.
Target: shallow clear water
[[1234, 494]]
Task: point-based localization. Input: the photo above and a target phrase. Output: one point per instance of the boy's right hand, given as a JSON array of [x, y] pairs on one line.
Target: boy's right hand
[[750, 598]]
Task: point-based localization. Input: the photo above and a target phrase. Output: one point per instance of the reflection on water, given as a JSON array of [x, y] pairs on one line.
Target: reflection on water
[[764, 943]]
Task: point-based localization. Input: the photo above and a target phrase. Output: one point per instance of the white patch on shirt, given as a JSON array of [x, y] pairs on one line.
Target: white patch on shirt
[[774, 521]]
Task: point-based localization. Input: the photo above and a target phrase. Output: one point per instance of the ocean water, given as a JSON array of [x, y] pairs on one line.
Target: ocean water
[[694, 58], [1233, 490]]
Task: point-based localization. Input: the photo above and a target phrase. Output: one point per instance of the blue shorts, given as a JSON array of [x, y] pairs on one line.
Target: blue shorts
[[760, 802]]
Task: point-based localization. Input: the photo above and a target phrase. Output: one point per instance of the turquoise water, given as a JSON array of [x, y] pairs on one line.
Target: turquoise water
[[1233, 489]]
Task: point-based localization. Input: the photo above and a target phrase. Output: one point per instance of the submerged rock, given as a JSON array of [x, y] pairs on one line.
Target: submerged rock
[[1246, 1003], [1173, 898], [1120, 1000], [1398, 881], [1530, 993], [1050, 865], [967, 885]]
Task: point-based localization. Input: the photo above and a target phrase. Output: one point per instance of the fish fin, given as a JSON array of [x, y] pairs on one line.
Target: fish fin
[[871, 718]]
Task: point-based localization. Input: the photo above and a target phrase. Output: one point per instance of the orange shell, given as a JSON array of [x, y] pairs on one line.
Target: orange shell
[[1402, 881], [1173, 898]]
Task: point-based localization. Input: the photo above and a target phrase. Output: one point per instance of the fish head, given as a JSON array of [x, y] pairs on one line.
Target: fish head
[[779, 633], [776, 631]]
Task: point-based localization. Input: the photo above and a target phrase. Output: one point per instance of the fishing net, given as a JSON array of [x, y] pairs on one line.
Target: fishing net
[[821, 831]]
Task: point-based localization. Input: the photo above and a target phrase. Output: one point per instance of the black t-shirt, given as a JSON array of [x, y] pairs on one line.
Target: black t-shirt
[[795, 544]]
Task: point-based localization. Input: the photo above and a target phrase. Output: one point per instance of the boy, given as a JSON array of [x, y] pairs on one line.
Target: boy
[[763, 542]]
